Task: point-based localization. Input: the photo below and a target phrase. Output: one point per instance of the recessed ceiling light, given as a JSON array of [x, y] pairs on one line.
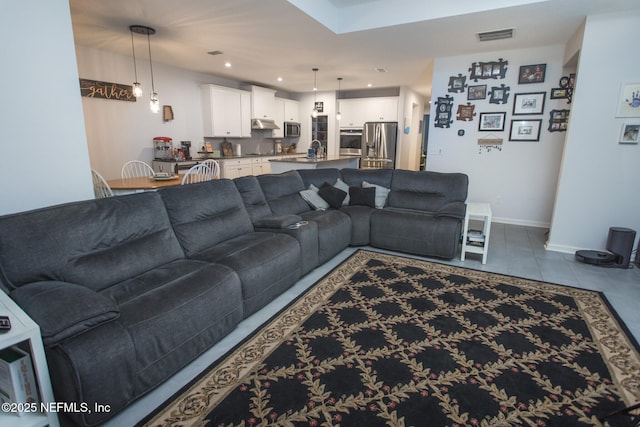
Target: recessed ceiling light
[[227, 64], [279, 79], [369, 85]]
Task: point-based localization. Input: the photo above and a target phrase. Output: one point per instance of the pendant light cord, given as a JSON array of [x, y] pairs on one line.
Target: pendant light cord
[[135, 67], [153, 89]]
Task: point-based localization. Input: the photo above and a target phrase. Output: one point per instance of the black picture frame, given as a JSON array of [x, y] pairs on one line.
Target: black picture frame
[[476, 92], [488, 70], [492, 122], [444, 107], [559, 93], [527, 130], [528, 103], [558, 120], [457, 84], [533, 73], [499, 94]]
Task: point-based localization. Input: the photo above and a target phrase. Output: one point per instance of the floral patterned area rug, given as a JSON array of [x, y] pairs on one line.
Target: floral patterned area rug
[[384, 340]]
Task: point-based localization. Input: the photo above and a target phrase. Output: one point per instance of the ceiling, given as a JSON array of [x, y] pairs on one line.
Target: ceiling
[[385, 43]]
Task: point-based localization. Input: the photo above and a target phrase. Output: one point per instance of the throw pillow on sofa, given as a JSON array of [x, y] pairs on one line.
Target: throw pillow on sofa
[[362, 196], [332, 195], [381, 193], [311, 196], [344, 187]]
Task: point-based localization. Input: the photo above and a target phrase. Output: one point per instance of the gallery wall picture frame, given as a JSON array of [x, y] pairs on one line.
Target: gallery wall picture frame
[[466, 112], [533, 73], [558, 120], [559, 93], [528, 103], [629, 100], [488, 70], [492, 122], [457, 84], [499, 95], [630, 133], [444, 107], [476, 92], [525, 130]]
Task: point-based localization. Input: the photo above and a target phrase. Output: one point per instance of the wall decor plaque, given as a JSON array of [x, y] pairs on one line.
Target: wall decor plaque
[[106, 90], [466, 112]]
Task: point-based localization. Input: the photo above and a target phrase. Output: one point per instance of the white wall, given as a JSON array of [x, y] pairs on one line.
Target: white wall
[[599, 176], [44, 157], [410, 113], [119, 131], [520, 180]]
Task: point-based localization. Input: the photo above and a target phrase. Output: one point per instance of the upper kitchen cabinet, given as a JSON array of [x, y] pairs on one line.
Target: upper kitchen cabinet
[[357, 111], [291, 111], [263, 103], [226, 112], [286, 110]]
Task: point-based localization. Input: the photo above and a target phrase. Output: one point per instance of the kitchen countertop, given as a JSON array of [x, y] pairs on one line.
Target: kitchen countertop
[[249, 156], [316, 160]]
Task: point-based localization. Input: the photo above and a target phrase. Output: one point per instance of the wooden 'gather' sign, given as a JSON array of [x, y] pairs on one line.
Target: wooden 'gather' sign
[[106, 90]]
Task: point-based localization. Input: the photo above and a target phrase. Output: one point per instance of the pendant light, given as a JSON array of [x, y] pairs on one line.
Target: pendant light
[[154, 103], [136, 88], [338, 115], [314, 112]]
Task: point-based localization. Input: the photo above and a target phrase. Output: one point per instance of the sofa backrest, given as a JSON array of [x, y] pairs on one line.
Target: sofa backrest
[[93, 243], [318, 177], [253, 197], [206, 213], [282, 192], [355, 177], [426, 190]]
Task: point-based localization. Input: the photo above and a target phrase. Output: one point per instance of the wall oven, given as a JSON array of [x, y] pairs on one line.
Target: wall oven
[[351, 141]]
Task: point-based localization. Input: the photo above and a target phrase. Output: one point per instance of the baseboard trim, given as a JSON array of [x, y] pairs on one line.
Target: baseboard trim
[[561, 248], [522, 222]]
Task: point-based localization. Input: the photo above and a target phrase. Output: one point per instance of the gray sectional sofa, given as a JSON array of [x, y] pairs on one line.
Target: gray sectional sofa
[[127, 290]]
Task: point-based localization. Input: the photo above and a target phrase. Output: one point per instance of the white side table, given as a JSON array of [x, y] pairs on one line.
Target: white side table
[[24, 329], [481, 211]]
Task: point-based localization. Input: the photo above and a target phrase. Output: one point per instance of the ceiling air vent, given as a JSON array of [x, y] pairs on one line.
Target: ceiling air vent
[[495, 35], [215, 52]]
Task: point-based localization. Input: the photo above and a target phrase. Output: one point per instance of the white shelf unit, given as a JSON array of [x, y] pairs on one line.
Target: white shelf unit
[[23, 329], [481, 211]]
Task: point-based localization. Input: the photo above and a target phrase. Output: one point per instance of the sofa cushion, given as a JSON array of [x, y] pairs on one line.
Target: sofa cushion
[[429, 192], [334, 231], [355, 177], [282, 192], [319, 176], [344, 187], [415, 232], [266, 262], [63, 310], [93, 243], [206, 214], [332, 195], [252, 197]]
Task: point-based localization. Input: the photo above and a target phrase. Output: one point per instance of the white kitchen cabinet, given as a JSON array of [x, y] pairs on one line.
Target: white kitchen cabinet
[[291, 110], [234, 168], [278, 118], [262, 103], [357, 111], [223, 110]]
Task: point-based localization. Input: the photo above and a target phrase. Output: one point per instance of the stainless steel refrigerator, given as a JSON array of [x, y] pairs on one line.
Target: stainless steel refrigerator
[[379, 145]]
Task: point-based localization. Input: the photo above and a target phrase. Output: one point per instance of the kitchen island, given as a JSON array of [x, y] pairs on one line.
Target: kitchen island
[[338, 162]]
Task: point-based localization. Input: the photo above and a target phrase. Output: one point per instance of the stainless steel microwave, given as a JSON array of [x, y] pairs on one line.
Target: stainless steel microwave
[[291, 129]]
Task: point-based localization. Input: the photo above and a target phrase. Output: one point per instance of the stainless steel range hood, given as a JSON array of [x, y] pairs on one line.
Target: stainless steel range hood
[[263, 124]]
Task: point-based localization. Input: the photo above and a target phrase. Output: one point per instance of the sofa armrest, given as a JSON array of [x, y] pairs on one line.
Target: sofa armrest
[[62, 309], [453, 209], [277, 221]]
